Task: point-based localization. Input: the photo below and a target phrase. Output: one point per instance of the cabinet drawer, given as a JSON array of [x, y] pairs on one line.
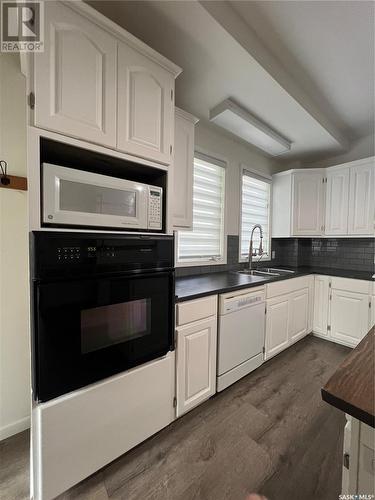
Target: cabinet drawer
[[351, 285], [287, 286], [193, 310]]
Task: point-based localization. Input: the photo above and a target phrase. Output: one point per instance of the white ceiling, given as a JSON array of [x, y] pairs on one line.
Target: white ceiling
[[223, 57], [328, 47]]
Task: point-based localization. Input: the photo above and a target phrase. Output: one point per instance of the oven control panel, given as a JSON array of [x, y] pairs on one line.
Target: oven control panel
[[67, 254], [72, 254]]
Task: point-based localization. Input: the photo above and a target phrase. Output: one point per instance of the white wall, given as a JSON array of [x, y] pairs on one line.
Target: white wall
[[210, 140], [14, 285], [361, 148]]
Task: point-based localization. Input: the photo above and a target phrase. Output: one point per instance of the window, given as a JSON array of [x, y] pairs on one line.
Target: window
[[205, 243], [255, 209]]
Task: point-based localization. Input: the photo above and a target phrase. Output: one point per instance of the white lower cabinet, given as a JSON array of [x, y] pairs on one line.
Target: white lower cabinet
[[277, 325], [196, 354], [299, 314], [358, 476], [343, 310], [289, 313], [372, 312], [321, 302], [349, 316]]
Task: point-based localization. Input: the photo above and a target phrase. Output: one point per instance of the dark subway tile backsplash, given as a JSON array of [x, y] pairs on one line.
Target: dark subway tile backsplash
[[341, 253]]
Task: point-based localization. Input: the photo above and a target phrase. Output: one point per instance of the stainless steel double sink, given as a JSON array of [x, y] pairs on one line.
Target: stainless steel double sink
[[270, 272]]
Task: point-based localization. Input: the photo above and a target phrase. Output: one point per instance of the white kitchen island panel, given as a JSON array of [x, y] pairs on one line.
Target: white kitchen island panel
[[77, 434]]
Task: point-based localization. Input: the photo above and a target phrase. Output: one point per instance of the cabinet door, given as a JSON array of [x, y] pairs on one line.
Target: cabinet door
[[196, 363], [299, 314], [337, 201], [277, 325], [145, 106], [183, 164], [349, 316], [75, 78], [362, 199], [311, 304], [321, 300], [308, 203]]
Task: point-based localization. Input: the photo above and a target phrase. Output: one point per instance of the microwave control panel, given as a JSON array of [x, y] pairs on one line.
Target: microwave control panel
[[155, 208]]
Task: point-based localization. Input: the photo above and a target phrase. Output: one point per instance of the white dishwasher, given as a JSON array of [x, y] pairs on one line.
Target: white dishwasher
[[241, 334]]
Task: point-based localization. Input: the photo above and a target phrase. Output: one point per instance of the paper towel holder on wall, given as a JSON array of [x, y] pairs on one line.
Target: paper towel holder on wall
[[11, 181]]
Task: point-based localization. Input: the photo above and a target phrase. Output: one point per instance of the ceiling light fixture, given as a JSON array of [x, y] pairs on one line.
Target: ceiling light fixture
[[240, 122]]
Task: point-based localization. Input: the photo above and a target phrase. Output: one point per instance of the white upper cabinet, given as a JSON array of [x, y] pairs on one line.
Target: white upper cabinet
[[337, 201], [308, 203], [362, 198], [182, 172], [298, 203], [334, 201], [75, 77], [145, 106], [100, 84]]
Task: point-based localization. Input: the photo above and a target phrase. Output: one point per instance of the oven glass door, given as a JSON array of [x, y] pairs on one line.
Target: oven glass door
[[87, 330]]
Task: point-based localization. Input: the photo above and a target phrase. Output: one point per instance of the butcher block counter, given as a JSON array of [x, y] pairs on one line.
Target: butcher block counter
[[351, 388]]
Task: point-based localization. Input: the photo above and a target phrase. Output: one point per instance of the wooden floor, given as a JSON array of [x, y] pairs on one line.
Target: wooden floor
[[270, 433]]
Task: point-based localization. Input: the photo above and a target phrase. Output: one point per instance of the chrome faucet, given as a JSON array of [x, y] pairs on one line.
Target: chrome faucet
[[260, 249]]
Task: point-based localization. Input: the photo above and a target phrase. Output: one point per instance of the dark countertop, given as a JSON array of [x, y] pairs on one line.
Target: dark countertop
[[193, 287], [352, 387]]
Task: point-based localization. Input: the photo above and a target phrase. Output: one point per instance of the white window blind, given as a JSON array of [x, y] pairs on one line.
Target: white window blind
[[255, 209], [206, 241]]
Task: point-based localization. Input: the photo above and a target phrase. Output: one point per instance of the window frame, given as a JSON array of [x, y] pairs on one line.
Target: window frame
[[219, 162], [261, 176]]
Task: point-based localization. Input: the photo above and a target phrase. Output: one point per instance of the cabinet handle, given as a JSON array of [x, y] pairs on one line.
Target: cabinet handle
[[31, 100], [346, 461]]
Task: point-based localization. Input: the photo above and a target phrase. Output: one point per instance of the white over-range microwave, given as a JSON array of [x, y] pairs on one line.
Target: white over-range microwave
[[85, 199]]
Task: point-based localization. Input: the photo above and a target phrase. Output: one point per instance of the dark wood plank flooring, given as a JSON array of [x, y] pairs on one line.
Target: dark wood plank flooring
[[270, 433]]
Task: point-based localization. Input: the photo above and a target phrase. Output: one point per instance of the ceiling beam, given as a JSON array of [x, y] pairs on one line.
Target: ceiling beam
[[236, 27]]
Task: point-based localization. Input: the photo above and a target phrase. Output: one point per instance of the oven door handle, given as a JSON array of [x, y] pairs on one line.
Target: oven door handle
[[114, 275]]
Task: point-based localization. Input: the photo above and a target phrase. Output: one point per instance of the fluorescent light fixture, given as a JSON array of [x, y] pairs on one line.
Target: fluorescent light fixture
[[240, 122]]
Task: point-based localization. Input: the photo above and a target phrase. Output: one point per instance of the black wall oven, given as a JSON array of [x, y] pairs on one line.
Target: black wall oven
[[101, 305]]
